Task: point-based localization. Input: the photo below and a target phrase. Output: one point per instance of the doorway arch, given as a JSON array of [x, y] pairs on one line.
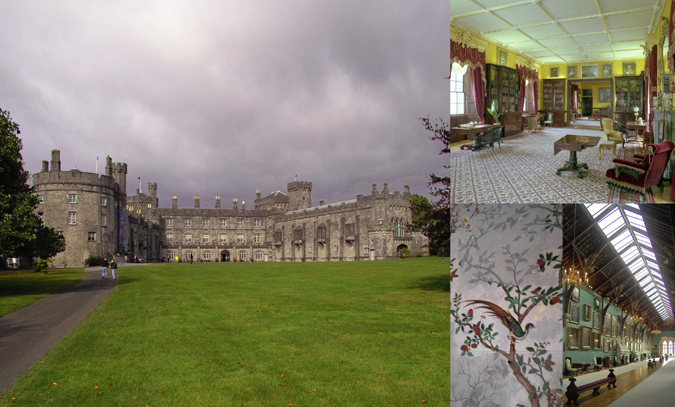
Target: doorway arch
[[225, 255], [401, 247]]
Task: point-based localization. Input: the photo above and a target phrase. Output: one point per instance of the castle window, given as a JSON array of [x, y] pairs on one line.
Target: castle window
[[207, 256], [223, 223], [277, 236], [206, 239], [321, 232], [242, 256], [399, 230], [104, 220], [91, 236], [297, 234], [240, 223], [205, 223], [72, 218], [240, 238], [169, 255], [188, 255], [104, 201], [256, 223], [41, 199], [335, 248], [223, 239], [72, 198], [259, 255], [188, 222], [188, 239], [256, 238], [169, 223], [349, 229], [169, 238]]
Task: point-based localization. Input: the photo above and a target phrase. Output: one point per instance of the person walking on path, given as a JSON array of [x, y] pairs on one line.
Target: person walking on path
[[190, 258], [104, 269], [113, 267]]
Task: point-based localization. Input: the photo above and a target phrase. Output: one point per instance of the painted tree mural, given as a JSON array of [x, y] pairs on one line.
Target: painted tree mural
[[506, 306]]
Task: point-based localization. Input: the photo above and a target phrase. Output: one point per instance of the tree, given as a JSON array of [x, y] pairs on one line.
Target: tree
[[433, 220], [22, 233]]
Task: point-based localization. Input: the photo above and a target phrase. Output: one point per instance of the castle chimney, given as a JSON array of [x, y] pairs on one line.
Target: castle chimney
[[235, 204], [406, 190], [108, 166], [320, 202], [374, 189], [217, 202], [386, 189], [257, 194], [56, 160], [243, 205], [174, 205], [45, 166], [138, 191], [196, 201]]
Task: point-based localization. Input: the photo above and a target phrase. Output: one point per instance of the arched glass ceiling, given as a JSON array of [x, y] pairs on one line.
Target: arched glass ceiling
[[624, 226]]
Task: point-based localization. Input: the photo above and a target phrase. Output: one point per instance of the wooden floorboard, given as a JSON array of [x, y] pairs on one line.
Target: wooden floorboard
[[624, 383]]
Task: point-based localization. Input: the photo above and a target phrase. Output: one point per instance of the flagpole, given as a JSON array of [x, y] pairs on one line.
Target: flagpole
[[140, 189], [96, 165]]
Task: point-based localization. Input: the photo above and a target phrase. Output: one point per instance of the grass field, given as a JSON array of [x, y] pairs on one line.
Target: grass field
[[23, 288], [257, 334]]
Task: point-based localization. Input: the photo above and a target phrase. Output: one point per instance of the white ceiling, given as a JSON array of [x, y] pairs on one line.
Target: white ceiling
[[560, 31]]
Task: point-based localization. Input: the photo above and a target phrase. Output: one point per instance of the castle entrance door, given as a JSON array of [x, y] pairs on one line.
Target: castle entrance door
[[225, 255], [401, 247]]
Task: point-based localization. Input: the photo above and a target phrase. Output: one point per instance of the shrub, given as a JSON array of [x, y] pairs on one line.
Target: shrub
[[403, 253], [42, 265], [93, 261], [419, 254]]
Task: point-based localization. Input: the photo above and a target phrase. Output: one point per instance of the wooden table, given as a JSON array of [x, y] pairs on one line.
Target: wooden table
[[638, 129], [475, 131], [574, 143]]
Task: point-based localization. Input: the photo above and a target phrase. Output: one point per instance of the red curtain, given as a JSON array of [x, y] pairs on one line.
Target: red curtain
[[464, 55], [521, 95], [575, 97], [531, 75], [671, 48], [536, 95]]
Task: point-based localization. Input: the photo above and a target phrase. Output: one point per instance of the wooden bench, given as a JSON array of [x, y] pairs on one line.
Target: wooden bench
[[573, 391]]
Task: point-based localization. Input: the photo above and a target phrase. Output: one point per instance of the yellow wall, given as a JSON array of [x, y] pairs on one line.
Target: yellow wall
[[492, 54], [594, 86]]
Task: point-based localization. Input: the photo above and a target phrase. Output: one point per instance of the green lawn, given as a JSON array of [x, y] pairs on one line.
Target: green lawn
[[25, 287], [257, 334]]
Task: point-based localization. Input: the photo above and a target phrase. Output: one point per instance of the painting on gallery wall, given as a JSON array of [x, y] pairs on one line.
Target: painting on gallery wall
[[606, 70], [554, 72], [596, 341], [574, 313], [573, 338], [571, 71], [586, 335], [506, 311], [596, 304], [589, 71], [629, 69], [575, 294], [596, 321], [503, 57], [587, 312]]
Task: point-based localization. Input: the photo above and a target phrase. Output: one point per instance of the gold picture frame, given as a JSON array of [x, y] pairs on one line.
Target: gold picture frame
[[586, 337], [597, 341], [596, 321], [574, 313], [553, 73], [587, 312]]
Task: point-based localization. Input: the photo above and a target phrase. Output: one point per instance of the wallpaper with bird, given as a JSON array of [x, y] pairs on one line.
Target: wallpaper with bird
[[506, 343]]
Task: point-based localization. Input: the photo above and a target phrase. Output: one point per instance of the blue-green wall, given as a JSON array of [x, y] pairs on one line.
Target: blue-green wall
[[657, 338], [586, 355]]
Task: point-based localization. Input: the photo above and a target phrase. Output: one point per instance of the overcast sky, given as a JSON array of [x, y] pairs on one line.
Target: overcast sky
[[223, 98]]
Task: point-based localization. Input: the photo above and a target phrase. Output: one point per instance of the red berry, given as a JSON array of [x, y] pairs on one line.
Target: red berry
[[470, 312], [464, 348], [540, 262], [555, 300], [473, 345], [536, 290], [548, 363], [476, 330]]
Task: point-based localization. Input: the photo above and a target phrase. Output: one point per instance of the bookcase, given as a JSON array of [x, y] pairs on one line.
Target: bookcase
[[503, 86], [553, 95], [629, 94]]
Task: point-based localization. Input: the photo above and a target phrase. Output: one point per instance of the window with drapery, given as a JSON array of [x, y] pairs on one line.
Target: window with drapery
[[457, 89], [528, 104]]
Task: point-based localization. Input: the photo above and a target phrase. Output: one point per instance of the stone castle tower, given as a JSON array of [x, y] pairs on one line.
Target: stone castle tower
[[299, 195]]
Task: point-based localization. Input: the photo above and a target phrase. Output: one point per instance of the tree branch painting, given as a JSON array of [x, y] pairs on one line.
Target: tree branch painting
[[506, 287]]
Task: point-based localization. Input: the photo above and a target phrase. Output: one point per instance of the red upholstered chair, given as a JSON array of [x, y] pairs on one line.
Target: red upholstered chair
[[639, 177]]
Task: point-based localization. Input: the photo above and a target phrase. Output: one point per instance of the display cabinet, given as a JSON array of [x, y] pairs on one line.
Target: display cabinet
[[503, 86], [629, 93], [553, 95]]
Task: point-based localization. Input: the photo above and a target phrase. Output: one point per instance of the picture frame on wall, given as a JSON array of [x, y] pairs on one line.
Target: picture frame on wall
[[605, 346], [605, 95], [503, 57], [587, 312], [587, 92], [573, 338], [596, 341], [606, 70], [586, 336], [596, 321], [589, 71], [554, 72], [571, 71], [629, 69], [596, 304], [607, 325], [575, 294], [574, 313], [615, 326]]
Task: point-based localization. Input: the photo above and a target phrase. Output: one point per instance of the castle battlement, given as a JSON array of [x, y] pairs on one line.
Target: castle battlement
[[75, 177]]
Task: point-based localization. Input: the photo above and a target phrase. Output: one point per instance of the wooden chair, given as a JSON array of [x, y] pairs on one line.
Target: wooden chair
[[640, 177], [608, 130], [549, 119], [570, 370]]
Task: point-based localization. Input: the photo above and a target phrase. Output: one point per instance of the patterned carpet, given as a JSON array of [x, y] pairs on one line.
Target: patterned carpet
[[524, 171]]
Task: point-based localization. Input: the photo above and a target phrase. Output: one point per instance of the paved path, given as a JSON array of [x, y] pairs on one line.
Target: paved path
[[27, 334]]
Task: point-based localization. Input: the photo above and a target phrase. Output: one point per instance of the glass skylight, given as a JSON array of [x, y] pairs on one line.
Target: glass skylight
[[626, 229]]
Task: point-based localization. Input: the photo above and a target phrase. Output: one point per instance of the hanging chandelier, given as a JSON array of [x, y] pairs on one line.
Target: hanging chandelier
[[576, 277]]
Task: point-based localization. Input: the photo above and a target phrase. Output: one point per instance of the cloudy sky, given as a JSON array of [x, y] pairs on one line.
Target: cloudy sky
[[223, 98]]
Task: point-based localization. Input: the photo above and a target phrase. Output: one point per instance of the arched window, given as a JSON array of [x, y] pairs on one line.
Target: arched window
[[399, 228], [671, 348], [259, 255], [665, 349]]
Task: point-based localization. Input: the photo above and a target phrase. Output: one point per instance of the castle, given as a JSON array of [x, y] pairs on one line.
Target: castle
[[96, 217]]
